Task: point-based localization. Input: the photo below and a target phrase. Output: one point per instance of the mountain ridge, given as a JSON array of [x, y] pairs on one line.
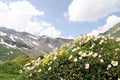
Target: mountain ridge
[[113, 32], [29, 43]]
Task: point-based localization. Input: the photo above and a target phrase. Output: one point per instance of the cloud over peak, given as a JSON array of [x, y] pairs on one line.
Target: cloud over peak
[[21, 16], [110, 22], [92, 10]]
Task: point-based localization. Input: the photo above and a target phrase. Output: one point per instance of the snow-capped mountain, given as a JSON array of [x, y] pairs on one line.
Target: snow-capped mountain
[[29, 43]]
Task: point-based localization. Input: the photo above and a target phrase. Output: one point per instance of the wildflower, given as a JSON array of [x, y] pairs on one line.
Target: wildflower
[[109, 66], [39, 70], [78, 48], [54, 58], [90, 53], [49, 68], [101, 60], [46, 60], [33, 61], [92, 45], [117, 49], [38, 59], [101, 41], [87, 66], [118, 78], [114, 63], [111, 37], [49, 63], [86, 38], [84, 54], [118, 40], [28, 68], [28, 64], [75, 60], [99, 56], [51, 57], [70, 57], [80, 53], [74, 50], [80, 58], [95, 55], [32, 67], [59, 54], [30, 75]]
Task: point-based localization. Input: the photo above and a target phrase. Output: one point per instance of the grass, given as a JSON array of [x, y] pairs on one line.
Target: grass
[[8, 53], [10, 69]]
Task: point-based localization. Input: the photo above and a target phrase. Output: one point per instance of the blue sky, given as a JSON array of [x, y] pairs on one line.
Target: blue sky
[[61, 18]]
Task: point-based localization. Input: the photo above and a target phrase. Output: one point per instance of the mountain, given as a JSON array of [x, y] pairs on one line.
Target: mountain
[[32, 45], [114, 31], [7, 53]]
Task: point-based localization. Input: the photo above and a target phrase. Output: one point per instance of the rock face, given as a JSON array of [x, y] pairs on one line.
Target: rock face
[[29, 43], [114, 31]]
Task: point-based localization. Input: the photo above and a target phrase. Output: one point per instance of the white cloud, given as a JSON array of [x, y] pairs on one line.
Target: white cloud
[[51, 31], [92, 10], [21, 16], [110, 22]]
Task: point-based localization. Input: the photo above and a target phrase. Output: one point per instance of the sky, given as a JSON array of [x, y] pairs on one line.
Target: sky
[[60, 18]]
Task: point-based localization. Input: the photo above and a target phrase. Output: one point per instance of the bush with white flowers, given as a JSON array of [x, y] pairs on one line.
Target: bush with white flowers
[[87, 58]]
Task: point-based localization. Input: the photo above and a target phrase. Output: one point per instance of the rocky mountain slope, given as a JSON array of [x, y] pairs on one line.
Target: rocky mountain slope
[[114, 31], [28, 43]]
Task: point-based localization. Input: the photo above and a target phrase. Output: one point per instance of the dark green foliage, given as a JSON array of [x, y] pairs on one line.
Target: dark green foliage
[[87, 58]]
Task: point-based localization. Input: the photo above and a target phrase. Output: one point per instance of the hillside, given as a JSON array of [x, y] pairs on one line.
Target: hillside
[[7, 53], [28, 43], [11, 69], [114, 31], [87, 58]]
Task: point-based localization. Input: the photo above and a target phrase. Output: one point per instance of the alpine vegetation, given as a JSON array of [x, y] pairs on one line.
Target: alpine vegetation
[[86, 58]]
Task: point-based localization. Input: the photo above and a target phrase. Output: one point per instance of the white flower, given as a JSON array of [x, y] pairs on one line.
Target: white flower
[[118, 40], [101, 41], [84, 54], [90, 53], [78, 48], [118, 78], [28, 64], [80, 58], [117, 49], [49, 68], [54, 58], [99, 56], [28, 68], [75, 59], [111, 37], [114, 63], [74, 50], [80, 53], [32, 67], [70, 57], [95, 55], [38, 59], [87, 66], [109, 66], [39, 70], [101, 60], [93, 45], [30, 75]]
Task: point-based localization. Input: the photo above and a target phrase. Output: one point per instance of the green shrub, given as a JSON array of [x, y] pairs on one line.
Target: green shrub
[[87, 58]]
